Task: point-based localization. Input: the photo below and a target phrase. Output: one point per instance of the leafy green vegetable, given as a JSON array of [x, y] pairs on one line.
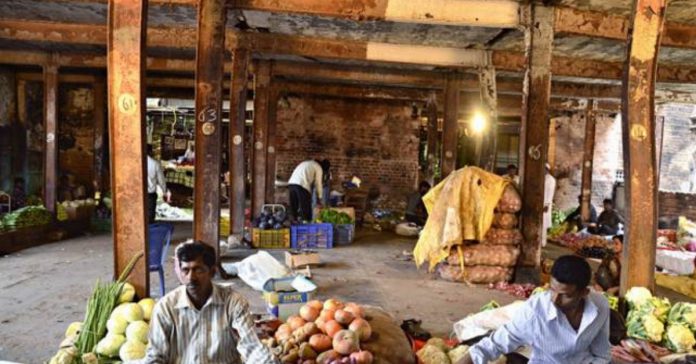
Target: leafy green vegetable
[[334, 217], [27, 216], [490, 306]]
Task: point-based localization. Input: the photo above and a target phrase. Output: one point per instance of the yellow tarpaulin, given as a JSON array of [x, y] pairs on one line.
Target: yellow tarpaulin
[[459, 208], [685, 285]]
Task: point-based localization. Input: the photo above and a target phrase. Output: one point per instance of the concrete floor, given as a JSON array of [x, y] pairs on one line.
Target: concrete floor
[[45, 288]]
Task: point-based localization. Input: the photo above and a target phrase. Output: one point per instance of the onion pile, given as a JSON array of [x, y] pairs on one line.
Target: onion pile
[[328, 332]]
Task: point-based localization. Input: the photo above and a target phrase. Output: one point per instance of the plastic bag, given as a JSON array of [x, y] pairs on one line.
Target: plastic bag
[[474, 274], [502, 237], [494, 255], [257, 269]]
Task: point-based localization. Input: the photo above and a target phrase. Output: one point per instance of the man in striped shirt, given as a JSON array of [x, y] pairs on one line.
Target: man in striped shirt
[[201, 322], [569, 324]]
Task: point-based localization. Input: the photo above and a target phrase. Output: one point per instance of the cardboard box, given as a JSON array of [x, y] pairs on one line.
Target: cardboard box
[[285, 296], [296, 259]]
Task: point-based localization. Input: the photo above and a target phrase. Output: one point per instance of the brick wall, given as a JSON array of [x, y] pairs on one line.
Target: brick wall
[[677, 204], [374, 140], [608, 157], [76, 133]]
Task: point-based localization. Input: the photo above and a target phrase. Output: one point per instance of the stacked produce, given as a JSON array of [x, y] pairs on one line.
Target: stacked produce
[[114, 327], [26, 217], [75, 209], [653, 319], [334, 217], [272, 220], [328, 332], [491, 260]]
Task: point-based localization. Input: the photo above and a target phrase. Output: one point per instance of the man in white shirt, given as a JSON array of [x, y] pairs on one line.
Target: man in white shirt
[[155, 178], [549, 191], [568, 324], [306, 175]]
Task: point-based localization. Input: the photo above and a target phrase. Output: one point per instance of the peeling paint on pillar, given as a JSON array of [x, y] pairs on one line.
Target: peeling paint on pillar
[[638, 118]]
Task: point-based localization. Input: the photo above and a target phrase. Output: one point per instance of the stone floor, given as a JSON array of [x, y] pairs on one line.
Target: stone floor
[[45, 288]]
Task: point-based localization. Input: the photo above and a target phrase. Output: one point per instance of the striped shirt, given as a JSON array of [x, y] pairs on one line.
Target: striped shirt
[[542, 326], [222, 331]]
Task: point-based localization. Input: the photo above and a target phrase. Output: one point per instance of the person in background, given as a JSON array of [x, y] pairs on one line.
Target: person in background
[[19, 195], [512, 174], [576, 219], [567, 324], [415, 208], [608, 221], [307, 175], [155, 178], [65, 189], [549, 191], [200, 321]]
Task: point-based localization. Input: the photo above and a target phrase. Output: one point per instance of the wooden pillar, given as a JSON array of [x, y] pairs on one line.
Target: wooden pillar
[[553, 137], [210, 53], [638, 121], [587, 158], [50, 166], [432, 137], [273, 97], [238, 98], [262, 80], [127, 24], [489, 99], [448, 155], [535, 136], [99, 128]]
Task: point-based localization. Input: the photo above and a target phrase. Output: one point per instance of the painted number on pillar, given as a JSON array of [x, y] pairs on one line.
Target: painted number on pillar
[[638, 132], [208, 114], [127, 104], [535, 152]]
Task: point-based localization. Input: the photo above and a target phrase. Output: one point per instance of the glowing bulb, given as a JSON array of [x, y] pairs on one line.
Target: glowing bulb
[[478, 124]]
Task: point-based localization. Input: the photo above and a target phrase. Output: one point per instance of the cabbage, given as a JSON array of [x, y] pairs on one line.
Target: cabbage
[[117, 325], [110, 344], [636, 296], [657, 306], [458, 353], [147, 304], [73, 329], [138, 330], [127, 293], [644, 326], [128, 311], [679, 338], [132, 350]]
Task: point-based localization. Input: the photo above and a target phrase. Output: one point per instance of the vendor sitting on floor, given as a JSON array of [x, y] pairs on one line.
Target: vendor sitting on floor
[[608, 221], [576, 219], [202, 322], [415, 208], [567, 324]]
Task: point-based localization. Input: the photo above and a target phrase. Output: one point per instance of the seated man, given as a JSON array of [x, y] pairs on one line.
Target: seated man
[[608, 221], [415, 208], [576, 219], [567, 324], [200, 321]]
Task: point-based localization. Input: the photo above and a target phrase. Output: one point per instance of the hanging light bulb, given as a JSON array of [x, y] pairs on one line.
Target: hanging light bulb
[[478, 123]]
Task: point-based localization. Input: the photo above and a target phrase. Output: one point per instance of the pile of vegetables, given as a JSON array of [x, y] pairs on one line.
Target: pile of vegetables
[[114, 327], [73, 206], [269, 219], [328, 332], [436, 351], [26, 216], [330, 216], [655, 320]]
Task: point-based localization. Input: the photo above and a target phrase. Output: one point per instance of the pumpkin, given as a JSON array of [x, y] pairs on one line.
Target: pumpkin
[[320, 342], [355, 309], [346, 342], [333, 304], [362, 357], [332, 327], [318, 305], [295, 322], [327, 315], [344, 317], [362, 328], [309, 313]]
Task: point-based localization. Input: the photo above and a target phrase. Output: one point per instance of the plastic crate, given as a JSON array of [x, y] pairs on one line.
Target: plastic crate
[[270, 239], [312, 236], [344, 234]]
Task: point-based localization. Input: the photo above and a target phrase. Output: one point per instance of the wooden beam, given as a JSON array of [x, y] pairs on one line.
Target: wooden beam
[[353, 91], [535, 137], [238, 96], [450, 135], [99, 134], [126, 66], [50, 167], [272, 144], [262, 80], [433, 137], [489, 98], [333, 48], [210, 52], [587, 160], [479, 13], [602, 25], [638, 129], [363, 75]]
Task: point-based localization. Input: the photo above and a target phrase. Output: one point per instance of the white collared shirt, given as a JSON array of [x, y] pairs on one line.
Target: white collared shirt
[[306, 174], [222, 331], [542, 326], [155, 176]]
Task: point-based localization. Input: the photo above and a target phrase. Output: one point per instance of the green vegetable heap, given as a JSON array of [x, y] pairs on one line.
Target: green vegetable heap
[[333, 217]]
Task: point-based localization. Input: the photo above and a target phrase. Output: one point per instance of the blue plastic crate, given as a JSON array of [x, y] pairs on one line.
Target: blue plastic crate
[[344, 234], [311, 236]]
